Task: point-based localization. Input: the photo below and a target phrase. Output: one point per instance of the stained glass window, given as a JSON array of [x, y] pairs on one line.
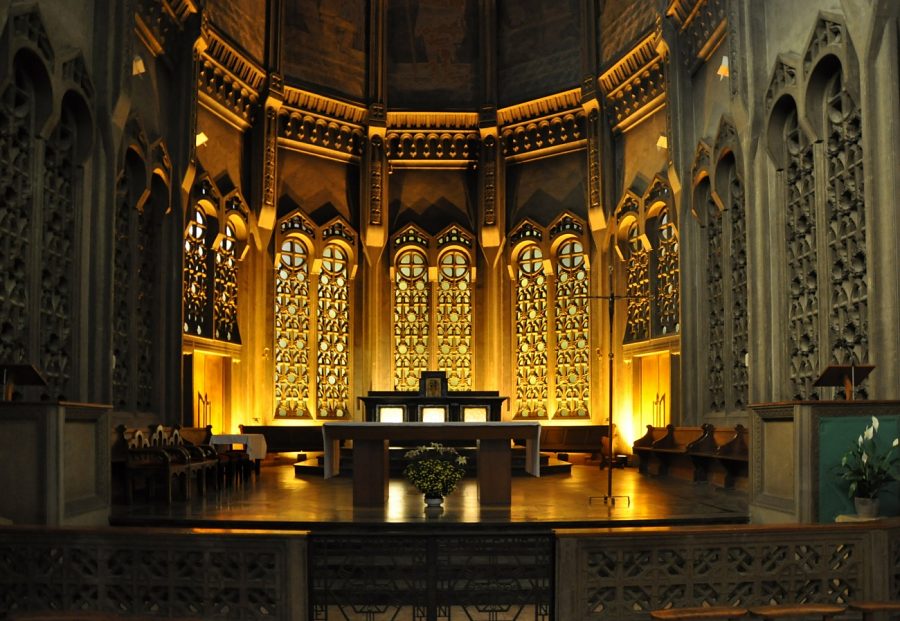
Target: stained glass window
[[196, 276], [572, 331], [225, 302], [292, 330], [412, 319], [333, 334], [637, 286], [453, 325], [531, 334]]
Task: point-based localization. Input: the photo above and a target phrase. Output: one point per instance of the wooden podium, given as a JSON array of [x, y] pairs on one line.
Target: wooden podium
[[22, 374], [846, 375]]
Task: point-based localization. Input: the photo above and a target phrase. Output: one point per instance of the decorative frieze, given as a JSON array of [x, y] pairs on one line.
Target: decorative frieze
[[432, 146], [227, 82], [338, 139], [547, 133]]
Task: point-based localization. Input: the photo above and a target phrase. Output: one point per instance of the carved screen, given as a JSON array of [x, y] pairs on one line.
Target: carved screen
[[453, 324], [196, 275], [122, 277], [637, 287], [412, 305], [58, 254], [226, 292], [531, 335], [16, 155], [572, 332], [800, 238], [333, 334], [292, 330], [740, 380], [846, 231], [667, 277], [715, 292]]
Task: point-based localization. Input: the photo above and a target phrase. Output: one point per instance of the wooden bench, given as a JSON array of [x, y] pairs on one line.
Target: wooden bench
[[233, 466], [699, 454], [664, 451], [289, 438], [565, 439], [148, 467], [721, 456]]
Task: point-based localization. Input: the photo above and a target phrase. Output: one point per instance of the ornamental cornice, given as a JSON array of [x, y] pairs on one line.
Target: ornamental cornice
[[545, 136], [535, 109], [635, 86], [321, 135], [433, 121], [431, 146], [320, 105], [702, 26], [227, 83]]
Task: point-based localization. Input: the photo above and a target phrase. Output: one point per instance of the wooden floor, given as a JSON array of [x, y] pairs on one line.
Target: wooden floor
[[278, 499]]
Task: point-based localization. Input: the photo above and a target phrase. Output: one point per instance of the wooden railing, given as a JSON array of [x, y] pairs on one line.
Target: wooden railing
[[569, 575]]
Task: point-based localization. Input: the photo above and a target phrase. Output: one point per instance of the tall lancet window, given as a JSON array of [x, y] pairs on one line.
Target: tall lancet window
[[453, 326], [226, 293], [333, 331], [572, 331], [800, 238], [846, 231], [637, 286], [196, 277], [292, 325], [412, 309], [531, 334], [667, 276]]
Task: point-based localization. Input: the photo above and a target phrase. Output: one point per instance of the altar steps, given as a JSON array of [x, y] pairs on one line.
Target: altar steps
[[313, 464]]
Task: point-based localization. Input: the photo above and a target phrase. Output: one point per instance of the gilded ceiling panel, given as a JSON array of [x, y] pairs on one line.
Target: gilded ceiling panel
[[242, 21], [539, 48], [325, 46], [432, 54]]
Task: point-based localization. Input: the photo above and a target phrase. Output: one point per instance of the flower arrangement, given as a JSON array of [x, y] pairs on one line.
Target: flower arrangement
[[868, 470], [434, 469]]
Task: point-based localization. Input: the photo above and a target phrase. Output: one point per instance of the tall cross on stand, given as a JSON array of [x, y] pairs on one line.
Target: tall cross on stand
[[609, 498]]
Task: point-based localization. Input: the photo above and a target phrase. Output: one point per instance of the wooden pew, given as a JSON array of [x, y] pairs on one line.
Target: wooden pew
[[699, 454], [721, 456], [232, 465], [565, 439], [145, 466]]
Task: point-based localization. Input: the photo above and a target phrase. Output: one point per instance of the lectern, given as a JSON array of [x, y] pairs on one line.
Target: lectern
[[846, 375], [23, 374]]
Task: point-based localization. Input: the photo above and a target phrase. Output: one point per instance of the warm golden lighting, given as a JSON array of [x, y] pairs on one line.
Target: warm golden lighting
[[434, 414], [474, 414], [390, 414], [723, 71], [137, 65], [201, 139], [662, 142]]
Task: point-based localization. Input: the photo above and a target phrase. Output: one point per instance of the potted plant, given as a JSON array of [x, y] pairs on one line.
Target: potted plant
[[434, 469], [869, 469]]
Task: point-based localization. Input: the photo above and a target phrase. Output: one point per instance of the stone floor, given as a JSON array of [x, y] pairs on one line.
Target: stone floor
[[278, 499]]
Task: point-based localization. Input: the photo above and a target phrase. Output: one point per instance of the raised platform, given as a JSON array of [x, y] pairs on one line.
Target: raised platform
[[279, 499]]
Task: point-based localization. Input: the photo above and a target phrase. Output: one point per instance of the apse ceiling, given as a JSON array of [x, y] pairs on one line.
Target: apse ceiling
[[434, 59]]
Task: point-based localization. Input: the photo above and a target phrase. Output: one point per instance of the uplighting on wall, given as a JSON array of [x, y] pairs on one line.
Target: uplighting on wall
[[137, 65], [201, 139], [722, 71], [662, 142]]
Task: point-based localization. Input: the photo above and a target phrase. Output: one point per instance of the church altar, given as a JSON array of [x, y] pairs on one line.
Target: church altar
[[370, 454]]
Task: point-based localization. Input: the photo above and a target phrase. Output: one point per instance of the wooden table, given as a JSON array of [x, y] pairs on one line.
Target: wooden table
[[370, 454]]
